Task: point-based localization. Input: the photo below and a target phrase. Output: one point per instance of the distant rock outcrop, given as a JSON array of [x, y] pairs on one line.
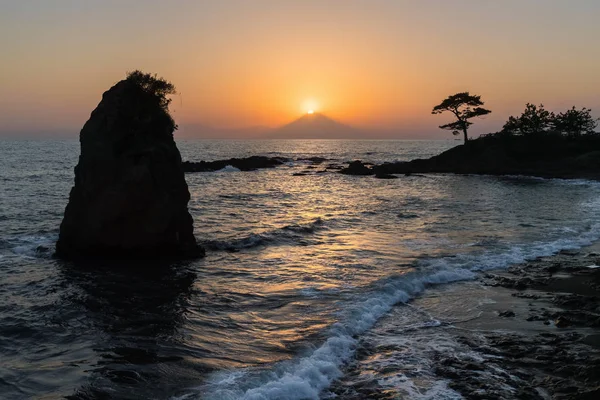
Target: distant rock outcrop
[[130, 195], [243, 164], [357, 168]]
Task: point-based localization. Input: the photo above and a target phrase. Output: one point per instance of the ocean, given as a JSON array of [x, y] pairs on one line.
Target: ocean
[[301, 273]]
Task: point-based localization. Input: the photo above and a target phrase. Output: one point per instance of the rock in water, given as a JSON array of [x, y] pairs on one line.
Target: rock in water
[[357, 168], [130, 195]]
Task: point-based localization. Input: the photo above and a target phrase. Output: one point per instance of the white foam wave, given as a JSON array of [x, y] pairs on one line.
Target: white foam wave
[[308, 376], [33, 246], [228, 168], [488, 260]]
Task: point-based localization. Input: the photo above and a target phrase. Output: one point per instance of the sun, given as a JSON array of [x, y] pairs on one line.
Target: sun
[[310, 106]]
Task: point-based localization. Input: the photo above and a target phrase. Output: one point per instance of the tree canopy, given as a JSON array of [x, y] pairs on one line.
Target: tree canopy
[[533, 121], [576, 122], [152, 84], [464, 106], [536, 121]]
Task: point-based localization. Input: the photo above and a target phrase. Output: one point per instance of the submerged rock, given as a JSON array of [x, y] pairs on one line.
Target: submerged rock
[[385, 176], [314, 160], [130, 195], [357, 168], [507, 314]]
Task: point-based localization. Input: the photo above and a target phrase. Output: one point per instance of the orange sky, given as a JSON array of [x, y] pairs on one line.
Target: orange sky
[[378, 65]]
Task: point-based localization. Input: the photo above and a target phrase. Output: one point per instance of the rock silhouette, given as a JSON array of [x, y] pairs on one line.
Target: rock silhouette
[[357, 168], [548, 157], [243, 164], [130, 195]]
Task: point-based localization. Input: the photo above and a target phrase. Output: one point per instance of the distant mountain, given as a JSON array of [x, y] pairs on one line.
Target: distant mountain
[[210, 132], [315, 126], [309, 126]]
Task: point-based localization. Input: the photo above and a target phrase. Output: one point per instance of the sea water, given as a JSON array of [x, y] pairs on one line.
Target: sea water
[[300, 272]]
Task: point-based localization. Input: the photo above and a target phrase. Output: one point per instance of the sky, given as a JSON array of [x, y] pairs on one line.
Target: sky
[[379, 65]]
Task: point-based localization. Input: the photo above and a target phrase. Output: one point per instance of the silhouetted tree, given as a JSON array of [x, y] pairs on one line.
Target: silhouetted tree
[[533, 121], [575, 122], [464, 107], [152, 84]]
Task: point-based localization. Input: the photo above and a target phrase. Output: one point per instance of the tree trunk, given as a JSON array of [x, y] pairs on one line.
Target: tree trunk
[[465, 133]]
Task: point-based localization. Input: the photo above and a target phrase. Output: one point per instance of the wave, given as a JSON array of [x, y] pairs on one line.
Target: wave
[[306, 377], [42, 246], [287, 234], [408, 216], [31, 246], [228, 168]]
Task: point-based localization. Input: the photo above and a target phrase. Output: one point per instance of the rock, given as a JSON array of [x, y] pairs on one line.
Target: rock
[[243, 164], [357, 168], [130, 195], [41, 249], [568, 252], [562, 322], [334, 166], [550, 156], [385, 176], [314, 160], [507, 314], [407, 216]]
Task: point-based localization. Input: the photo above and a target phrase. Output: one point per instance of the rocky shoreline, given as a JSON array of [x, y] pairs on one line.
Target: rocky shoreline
[[560, 293], [536, 336], [544, 157]]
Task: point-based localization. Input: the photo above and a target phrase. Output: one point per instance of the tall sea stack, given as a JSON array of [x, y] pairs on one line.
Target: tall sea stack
[[130, 195]]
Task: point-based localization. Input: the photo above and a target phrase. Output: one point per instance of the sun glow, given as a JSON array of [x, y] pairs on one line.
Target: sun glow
[[310, 106]]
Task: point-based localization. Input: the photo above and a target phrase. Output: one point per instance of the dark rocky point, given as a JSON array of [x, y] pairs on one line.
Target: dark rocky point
[[544, 156], [130, 195]]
